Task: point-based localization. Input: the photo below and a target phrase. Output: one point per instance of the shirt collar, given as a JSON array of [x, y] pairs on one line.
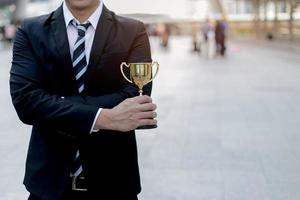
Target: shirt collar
[[93, 19]]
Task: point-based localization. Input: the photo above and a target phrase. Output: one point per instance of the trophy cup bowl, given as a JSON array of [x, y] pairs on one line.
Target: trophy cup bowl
[[140, 74]]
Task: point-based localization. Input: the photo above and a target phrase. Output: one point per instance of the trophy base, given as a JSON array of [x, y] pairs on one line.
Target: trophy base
[[146, 127]]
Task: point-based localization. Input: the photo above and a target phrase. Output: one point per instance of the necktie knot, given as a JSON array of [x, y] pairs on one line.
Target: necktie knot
[[82, 28]]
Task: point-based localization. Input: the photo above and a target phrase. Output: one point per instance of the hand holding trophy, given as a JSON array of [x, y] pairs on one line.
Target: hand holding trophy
[[140, 74]]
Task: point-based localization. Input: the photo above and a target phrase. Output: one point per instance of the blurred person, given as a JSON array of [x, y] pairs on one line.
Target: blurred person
[[270, 36], [220, 37], [1, 33], [165, 31], [207, 37], [9, 32], [206, 29], [195, 42], [66, 82], [195, 39]]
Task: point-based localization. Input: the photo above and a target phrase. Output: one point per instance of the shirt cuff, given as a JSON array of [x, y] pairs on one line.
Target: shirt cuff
[[93, 130]]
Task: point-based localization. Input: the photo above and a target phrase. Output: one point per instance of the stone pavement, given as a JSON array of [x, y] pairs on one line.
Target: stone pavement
[[228, 128], [14, 138]]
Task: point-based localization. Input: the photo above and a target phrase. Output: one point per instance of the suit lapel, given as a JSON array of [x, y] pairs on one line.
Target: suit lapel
[[102, 32], [59, 33]]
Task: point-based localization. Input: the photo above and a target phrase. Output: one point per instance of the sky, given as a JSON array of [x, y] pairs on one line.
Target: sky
[[147, 6], [173, 8]]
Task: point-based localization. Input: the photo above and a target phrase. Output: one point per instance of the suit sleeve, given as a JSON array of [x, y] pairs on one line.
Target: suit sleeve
[[33, 104], [139, 52]]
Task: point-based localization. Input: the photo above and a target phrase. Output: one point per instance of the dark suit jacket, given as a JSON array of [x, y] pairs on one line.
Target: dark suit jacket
[[42, 73]]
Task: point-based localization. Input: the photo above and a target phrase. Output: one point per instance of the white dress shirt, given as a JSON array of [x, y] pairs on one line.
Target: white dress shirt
[[72, 33]]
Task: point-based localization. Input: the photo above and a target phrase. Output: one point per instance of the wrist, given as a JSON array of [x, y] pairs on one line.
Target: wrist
[[104, 120]]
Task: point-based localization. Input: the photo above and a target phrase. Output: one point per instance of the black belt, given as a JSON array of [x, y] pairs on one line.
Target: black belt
[[78, 183], [79, 188]]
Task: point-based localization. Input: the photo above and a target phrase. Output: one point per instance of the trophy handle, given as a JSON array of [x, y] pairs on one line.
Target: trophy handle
[[157, 68], [121, 67]]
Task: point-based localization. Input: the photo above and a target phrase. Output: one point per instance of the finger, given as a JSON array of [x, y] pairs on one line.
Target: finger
[[145, 122], [143, 99], [147, 107], [146, 115]]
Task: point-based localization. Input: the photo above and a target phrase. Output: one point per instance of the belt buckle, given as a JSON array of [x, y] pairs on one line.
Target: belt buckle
[[74, 184]]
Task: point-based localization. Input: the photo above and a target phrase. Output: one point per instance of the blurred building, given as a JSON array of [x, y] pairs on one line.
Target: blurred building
[[7, 2], [12, 10], [7, 10], [267, 18], [281, 18]]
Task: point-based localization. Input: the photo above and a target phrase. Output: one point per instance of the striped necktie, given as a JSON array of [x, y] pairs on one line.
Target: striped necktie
[[79, 57], [79, 68]]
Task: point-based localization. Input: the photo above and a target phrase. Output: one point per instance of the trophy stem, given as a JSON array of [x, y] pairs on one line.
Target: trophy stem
[[141, 92]]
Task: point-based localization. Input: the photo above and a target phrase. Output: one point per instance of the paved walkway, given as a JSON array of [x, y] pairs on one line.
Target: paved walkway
[[228, 128]]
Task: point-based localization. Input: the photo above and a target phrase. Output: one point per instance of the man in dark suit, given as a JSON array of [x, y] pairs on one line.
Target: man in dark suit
[[66, 82]]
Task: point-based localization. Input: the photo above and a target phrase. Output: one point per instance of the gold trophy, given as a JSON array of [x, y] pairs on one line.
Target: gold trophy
[[140, 74]]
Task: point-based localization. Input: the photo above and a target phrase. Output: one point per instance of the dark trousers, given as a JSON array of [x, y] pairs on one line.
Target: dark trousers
[[221, 48], [71, 195]]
